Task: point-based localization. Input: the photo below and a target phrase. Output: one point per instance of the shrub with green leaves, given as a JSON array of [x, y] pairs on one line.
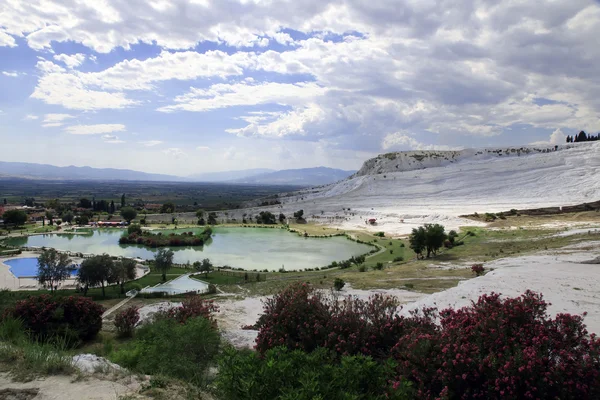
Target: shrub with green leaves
[[338, 284], [294, 374], [170, 348]]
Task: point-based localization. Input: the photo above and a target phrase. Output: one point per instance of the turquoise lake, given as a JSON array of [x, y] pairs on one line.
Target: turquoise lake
[[248, 248]]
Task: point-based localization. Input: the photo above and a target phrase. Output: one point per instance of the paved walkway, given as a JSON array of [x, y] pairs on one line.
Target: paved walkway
[[116, 307]]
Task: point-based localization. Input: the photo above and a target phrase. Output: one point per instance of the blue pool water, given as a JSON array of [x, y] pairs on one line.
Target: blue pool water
[[25, 267]]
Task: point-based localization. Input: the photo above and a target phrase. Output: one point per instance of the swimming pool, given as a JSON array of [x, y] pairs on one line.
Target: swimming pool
[[25, 267]]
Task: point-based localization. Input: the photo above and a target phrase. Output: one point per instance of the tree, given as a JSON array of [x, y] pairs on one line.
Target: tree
[[200, 216], [212, 218], [68, 217], [265, 217], [135, 228], [29, 201], [53, 268], [85, 203], [581, 137], [163, 260], [122, 200], [452, 235], [122, 271], [15, 217], [428, 237], [82, 220], [205, 266], [299, 214], [358, 260], [128, 213], [434, 239], [112, 207], [338, 284], [96, 271], [417, 240], [281, 218], [167, 208], [50, 217], [5, 202]]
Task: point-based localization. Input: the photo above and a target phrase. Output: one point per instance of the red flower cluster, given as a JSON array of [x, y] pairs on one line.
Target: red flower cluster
[[494, 349], [502, 349], [47, 316], [193, 306], [477, 269], [126, 320]]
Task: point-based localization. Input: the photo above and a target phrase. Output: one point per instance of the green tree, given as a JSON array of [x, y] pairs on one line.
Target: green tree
[[167, 208], [53, 268], [96, 271], [14, 217], [112, 207], [128, 213], [338, 284], [85, 203], [68, 217], [163, 260], [205, 266], [417, 240], [212, 218], [429, 237], [266, 217], [122, 271], [134, 228], [82, 220], [50, 217], [358, 260], [452, 235], [299, 214], [122, 200], [281, 218]]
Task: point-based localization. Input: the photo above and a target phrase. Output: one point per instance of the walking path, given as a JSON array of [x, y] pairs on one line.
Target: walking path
[[116, 307]]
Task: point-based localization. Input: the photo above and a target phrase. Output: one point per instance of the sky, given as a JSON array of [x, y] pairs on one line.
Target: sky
[[191, 86]]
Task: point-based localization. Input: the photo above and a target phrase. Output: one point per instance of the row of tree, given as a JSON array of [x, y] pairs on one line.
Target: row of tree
[[583, 137], [55, 267]]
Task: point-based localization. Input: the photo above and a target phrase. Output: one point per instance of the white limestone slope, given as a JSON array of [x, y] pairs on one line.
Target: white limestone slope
[[440, 186]]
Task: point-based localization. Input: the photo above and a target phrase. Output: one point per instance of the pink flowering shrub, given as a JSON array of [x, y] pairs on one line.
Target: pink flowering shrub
[[126, 320], [193, 306], [45, 317], [493, 349], [502, 349], [301, 318], [477, 269]]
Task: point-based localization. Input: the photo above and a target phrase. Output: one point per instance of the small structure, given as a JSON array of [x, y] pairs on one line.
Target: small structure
[[373, 221]]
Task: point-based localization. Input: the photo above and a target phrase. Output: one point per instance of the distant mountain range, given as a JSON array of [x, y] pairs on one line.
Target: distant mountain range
[[261, 176], [46, 171], [301, 177], [225, 176]]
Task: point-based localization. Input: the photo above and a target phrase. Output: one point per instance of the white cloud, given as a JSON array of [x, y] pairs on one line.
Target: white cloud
[[150, 143], [111, 139], [175, 152], [30, 117], [402, 141], [239, 94], [7, 40], [71, 61], [94, 129], [54, 120], [556, 137], [202, 148], [12, 74]]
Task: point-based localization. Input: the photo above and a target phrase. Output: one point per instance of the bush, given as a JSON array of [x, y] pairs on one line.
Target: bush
[[498, 349], [477, 269], [301, 318], [362, 268], [378, 266], [398, 259], [73, 318], [380, 234], [338, 284], [192, 306], [170, 348], [126, 320], [285, 374]]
